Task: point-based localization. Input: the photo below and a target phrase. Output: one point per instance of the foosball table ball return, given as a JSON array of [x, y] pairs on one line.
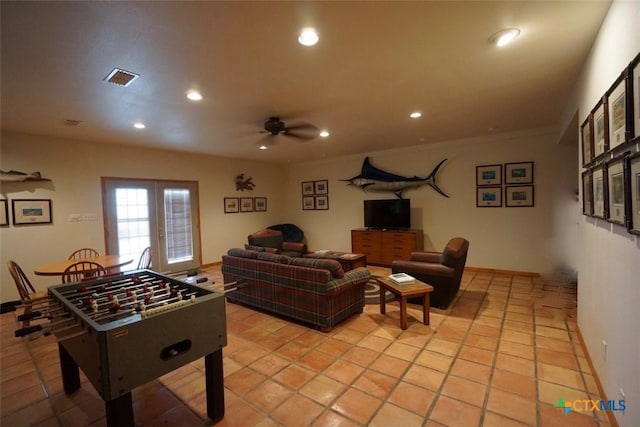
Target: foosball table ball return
[[124, 331]]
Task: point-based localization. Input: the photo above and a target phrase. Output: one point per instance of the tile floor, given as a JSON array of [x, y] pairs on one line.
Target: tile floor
[[502, 355]]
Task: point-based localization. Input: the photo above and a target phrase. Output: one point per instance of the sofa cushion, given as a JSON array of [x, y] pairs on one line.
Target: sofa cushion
[[331, 265], [266, 256], [254, 248], [242, 253]]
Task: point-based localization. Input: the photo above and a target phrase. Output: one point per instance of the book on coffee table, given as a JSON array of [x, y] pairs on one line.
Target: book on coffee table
[[402, 278]]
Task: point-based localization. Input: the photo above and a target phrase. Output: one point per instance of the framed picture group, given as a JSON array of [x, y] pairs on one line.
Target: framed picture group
[[245, 204], [512, 182], [315, 195], [26, 211], [610, 150]]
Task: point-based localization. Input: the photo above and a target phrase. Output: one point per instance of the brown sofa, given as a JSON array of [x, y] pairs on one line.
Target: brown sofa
[[273, 241], [442, 270], [315, 291]]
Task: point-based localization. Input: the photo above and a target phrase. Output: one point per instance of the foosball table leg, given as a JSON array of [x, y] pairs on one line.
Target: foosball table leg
[[70, 371], [215, 385], [120, 411]]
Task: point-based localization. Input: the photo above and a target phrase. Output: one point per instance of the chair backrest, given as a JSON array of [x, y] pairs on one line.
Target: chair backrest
[[455, 255], [82, 270], [84, 253], [145, 259], [25, 288]]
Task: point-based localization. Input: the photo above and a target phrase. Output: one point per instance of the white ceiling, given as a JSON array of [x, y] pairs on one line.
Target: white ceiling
[[375, 63]]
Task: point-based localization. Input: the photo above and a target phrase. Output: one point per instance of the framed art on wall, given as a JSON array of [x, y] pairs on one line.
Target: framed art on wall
[[307, 188], [308, 203], [615, 189], [260, 204], [633, 185], [600, 130], [599, 194], [31, 211], [518, 196], [488, 197], [587, 193], [617, 100], [4, 212], [322, 203], [321, 187], [489, 175], [587, 140], [246, 204], [635, 83], [231, 205], [518, 173]]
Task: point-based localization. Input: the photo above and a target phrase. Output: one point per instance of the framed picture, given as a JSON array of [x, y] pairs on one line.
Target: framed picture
[[587, 193], [600, 129], [307, 188], [518, 173], [489, 197], [231, 205], [260, 204], [599, 194], [4, 213], [634, 74], [308, 203], [246, 204], [322, 203], [489, 175], [518, 196], [31, 211], [633, 185], [587, 140], [615, 188], [321, 187], [617, 101]]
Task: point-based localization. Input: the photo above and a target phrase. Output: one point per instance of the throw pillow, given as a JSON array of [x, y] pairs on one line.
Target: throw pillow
[[254, 248], [242, 253]]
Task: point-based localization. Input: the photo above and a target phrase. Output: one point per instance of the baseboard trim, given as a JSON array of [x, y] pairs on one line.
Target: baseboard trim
[[612, 418], [211, 264], [498, 271]]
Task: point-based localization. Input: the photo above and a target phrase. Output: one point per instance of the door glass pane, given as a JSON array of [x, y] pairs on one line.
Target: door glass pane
[[132, 211], [177, 217]]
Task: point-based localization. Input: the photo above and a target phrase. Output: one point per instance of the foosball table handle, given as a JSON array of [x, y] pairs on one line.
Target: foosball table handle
[[28, 330]]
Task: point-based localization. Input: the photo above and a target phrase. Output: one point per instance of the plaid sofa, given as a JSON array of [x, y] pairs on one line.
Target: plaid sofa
[[315, 291]]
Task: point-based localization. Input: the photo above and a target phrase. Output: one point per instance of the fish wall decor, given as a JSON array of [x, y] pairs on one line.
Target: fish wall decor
[[17, 176], [374, 179]]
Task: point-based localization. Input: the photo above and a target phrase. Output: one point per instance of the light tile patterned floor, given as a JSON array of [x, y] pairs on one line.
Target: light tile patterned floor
[[502, 355]]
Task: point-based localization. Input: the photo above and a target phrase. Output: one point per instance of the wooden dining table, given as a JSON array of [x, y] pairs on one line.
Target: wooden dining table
[[109, 262]]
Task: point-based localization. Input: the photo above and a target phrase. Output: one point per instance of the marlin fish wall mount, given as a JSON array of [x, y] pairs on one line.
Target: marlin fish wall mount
[[374, 179]]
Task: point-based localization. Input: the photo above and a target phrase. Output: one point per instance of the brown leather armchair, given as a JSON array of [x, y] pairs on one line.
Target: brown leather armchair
[[442, 270], [272, 241]]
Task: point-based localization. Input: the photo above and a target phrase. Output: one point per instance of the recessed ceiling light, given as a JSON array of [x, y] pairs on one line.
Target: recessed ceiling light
[[324, 133], [504, 37], [308, 37], [194, 95], [263, 147], [415, 115], [139, 125]]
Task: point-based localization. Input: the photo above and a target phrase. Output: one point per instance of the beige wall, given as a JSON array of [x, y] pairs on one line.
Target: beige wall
[[609, 257], [522, 239], [75, 169]]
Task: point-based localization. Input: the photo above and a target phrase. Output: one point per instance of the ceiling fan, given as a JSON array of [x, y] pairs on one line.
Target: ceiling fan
[[274, 127]]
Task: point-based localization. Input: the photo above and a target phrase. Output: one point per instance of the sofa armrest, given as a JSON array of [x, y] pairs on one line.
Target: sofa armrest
[[293, 246], [356, 276], [425, 256], [422, 269]]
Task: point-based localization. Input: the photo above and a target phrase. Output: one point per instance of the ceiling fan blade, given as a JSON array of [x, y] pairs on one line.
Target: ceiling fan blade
[[302, 126], [302, 137]]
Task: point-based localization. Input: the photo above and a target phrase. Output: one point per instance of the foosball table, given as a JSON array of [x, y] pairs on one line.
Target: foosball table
[[124, 331]]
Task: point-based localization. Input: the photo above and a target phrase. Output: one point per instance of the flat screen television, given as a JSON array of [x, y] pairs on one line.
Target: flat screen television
[[387, 214]]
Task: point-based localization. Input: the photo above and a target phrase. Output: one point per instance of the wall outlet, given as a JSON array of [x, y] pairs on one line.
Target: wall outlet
[[604, 350]]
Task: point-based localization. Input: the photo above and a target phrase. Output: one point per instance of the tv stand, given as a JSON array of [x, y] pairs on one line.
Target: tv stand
[[384, 246]]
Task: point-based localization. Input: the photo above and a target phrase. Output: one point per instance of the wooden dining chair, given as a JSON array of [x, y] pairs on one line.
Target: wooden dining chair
[[28, 294], [84, 253], [145, 259], [83, 270]]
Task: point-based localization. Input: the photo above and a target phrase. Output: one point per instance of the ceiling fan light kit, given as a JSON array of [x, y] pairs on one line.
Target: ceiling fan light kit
[[308, 37], [504, 37]]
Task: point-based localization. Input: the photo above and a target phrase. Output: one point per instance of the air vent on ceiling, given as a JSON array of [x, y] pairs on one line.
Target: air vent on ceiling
[[71, 122], [121, 77]]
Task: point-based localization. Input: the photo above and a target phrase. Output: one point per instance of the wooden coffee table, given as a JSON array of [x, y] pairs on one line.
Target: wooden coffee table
[[403, 292], [348, 261]]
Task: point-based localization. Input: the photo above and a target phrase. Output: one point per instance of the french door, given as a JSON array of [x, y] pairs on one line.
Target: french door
[[162, 215]]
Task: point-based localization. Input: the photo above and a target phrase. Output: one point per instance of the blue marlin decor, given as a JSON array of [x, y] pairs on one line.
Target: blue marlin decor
[[374, 179]]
